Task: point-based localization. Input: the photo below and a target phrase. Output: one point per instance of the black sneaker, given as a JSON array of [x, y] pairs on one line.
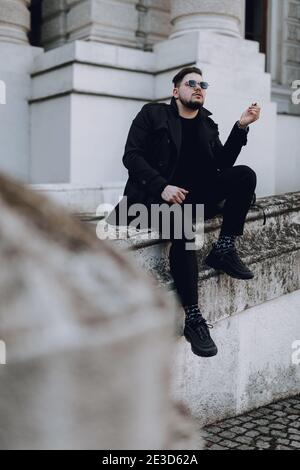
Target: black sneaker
[[229, 262], [196, 332]]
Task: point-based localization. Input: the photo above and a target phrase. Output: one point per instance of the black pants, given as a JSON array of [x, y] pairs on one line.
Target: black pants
[[236, 186]]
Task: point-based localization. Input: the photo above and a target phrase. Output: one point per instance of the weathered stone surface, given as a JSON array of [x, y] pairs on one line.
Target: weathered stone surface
[[131, 23], [268, 249], [93, 20], [88, 337]]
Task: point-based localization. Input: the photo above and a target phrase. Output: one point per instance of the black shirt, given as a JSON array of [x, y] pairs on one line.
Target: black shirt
[[195, 169]]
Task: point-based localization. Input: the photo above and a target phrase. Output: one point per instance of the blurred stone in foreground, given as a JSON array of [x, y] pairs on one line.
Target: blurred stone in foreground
[[88, 338]]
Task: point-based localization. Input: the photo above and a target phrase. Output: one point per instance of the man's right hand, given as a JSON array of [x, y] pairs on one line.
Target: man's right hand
[[174, 194]]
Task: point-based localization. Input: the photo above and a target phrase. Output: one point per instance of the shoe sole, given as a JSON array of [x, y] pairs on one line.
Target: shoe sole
[[244, 276], [202, 353], [205, 354]]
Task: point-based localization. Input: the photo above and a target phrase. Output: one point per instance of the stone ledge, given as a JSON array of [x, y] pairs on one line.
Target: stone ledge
[[272, 251], [286, 205], [80, 200], [63, 70]]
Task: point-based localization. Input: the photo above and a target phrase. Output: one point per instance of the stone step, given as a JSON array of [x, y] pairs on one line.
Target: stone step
[[82, 201], [207, 47]]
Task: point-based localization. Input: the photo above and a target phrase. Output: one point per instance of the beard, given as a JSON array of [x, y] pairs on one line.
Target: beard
[[191, 104]]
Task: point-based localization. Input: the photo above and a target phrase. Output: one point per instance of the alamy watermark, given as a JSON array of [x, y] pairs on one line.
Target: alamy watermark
[[296, 93], [169, 221], [2, 353], [296, 353], [2, 92]]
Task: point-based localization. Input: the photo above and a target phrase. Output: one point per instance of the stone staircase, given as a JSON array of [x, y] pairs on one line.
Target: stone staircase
[[255, 321]]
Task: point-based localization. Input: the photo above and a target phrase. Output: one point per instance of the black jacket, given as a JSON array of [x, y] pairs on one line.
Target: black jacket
[[153, 147]]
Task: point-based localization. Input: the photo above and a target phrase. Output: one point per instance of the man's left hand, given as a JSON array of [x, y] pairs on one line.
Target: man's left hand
[[250, 115]]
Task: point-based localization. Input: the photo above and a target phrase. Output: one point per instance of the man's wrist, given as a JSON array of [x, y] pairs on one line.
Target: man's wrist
[[245, 127]]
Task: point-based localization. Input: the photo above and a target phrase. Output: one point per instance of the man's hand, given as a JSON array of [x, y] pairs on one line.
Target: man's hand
[[174, 194], [250, 115]]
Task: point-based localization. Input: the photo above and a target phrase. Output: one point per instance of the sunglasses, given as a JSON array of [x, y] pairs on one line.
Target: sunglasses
[[193, 84]]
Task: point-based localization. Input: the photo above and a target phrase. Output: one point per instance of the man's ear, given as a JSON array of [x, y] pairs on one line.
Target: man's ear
[[175, 93]]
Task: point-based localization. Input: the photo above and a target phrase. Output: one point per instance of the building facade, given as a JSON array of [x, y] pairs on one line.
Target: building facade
[[74, 73]]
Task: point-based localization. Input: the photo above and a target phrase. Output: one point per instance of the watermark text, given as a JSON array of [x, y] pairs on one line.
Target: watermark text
[[2, 92], [170, 221], [296, 93], [2, 353]]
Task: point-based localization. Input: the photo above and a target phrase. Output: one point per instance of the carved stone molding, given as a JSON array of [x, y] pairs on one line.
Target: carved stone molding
[[14, 21], [220, 16]]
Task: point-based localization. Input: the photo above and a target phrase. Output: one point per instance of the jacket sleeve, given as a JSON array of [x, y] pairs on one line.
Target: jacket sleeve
[[226, 155], [134, 158]]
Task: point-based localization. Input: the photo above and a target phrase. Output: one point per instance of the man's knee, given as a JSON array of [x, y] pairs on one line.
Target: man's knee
[[247, 174]]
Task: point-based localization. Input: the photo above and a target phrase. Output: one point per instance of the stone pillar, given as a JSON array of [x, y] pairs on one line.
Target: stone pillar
[[110, 21], [219, 16], [14, 21], [16, 59], [153, 22], [283, 52], [54, 27]]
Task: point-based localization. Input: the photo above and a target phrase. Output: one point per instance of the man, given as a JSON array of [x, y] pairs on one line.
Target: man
[[173, 154]]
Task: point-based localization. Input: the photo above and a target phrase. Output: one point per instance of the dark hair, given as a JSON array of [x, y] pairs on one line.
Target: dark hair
[[183, 72]]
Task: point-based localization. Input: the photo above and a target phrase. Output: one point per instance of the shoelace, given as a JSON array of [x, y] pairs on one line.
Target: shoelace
[[198, 321], [235, 257]]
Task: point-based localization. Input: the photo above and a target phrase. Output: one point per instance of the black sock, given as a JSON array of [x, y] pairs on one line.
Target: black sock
[[192, 312], [225, 242]]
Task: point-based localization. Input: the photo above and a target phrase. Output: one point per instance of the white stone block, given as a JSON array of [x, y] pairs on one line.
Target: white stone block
[[55, 82], [50, 145], [254, 366], [79, 199], [113, 82], [104, 140]]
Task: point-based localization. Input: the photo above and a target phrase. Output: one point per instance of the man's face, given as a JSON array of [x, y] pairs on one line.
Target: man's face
[[192, 98]]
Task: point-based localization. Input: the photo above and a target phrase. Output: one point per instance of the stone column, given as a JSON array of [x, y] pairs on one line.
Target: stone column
[[54, 26], [153, 22], [134, 23], [109, 21], [283, 53], [219, 16], [14, 21]]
